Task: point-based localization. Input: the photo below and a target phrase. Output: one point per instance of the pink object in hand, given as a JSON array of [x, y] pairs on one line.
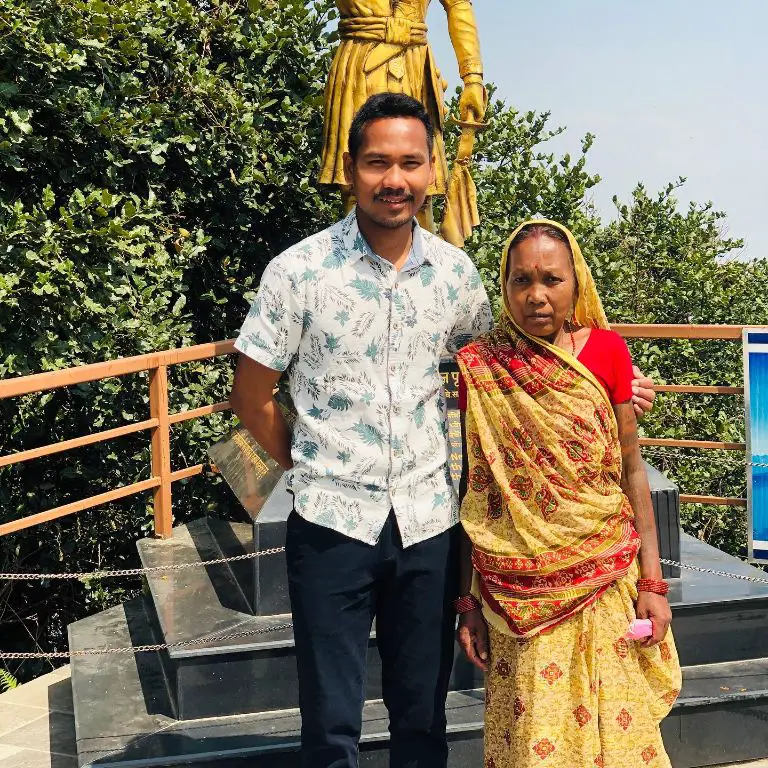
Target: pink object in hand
[[639, 629]]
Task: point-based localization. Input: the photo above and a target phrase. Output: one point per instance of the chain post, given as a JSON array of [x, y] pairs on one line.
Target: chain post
[[161, 451]]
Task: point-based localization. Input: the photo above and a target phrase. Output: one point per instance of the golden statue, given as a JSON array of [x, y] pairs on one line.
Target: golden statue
[[384, 48]]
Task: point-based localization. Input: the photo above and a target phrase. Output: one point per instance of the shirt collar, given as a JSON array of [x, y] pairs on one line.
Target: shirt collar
[[357, 246]]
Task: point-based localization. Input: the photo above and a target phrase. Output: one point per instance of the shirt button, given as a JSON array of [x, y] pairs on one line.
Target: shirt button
[[393, 368], [396, 410], [396, 325]]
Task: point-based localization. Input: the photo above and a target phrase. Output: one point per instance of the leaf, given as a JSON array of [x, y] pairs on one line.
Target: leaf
[[179, 305], [339, 402], [369, 434], [7, 681], [366, 289]]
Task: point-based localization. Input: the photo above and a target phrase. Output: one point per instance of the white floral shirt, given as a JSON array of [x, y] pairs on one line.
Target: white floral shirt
[[361, 343]]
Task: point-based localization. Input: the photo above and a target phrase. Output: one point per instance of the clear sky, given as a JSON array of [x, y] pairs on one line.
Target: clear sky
[[669, 87]]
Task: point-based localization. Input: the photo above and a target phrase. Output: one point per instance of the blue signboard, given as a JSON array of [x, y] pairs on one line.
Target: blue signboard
[[756, 402]]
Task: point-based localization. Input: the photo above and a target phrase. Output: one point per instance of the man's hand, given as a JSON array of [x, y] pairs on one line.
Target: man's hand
[[656, 608], [643, 392], [472, 635], [473, 102]]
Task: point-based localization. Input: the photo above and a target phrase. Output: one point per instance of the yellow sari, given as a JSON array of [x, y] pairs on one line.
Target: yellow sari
[[554, 552]]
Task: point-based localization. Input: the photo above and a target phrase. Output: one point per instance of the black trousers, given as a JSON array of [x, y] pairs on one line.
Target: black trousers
[[337, 586]]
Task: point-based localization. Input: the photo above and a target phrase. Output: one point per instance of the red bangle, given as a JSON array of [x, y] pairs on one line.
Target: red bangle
[[466, 603], [657, 586]]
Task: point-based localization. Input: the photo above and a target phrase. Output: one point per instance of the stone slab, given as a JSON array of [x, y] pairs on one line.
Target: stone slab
[[128, 694], [44, 692], [54, 732], [177, 596], [695, 588], [13, 716], [260, 735], [726, 682], [29, 758]]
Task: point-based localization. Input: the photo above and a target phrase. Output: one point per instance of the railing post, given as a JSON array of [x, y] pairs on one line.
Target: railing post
[[161, 450]]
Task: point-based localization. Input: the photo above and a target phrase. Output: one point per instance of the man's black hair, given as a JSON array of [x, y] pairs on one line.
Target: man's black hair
[[384, 105]]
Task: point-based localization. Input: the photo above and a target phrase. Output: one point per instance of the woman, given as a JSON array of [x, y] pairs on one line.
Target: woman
[[560, 526]]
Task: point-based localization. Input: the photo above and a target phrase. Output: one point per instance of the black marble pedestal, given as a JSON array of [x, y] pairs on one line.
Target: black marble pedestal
[[218, 700]]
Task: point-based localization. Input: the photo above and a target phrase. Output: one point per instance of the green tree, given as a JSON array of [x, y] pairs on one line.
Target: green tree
[[154, 156], [657, 263]]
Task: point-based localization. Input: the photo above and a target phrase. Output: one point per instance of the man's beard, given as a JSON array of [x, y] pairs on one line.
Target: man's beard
[[392, 223], [396, 223]]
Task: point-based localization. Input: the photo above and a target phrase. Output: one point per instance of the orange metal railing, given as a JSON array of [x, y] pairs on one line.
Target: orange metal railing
[[159, 424], [160, 420]]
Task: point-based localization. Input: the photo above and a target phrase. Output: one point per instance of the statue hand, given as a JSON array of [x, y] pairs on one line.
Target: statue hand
[[473, 102]]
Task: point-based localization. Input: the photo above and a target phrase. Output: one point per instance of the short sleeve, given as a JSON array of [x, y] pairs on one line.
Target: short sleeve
[[272, 330], [474, 316], [621, 391]]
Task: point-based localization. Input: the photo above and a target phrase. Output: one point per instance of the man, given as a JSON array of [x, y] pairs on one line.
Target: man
[[383, 48], [359, 316]]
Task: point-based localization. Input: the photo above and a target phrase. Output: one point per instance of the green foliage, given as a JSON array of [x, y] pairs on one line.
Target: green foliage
[[658, 264], [653, 264], [7, 681], [154, 155]]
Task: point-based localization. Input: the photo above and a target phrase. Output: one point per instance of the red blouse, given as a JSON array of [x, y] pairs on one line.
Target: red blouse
[[606, 356]]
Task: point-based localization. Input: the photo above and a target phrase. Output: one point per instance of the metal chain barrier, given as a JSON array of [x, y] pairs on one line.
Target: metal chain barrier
[[138, 571], [262, 630], [714, 572], [146, 648]]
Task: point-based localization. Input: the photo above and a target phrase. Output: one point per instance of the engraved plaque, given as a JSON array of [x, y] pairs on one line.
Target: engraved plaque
[[248, 469], [450, 374]]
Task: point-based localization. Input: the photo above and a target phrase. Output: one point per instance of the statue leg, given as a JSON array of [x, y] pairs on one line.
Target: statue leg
[[426, 216]]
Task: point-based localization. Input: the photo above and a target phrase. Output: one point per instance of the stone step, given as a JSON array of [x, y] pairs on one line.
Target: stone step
[[124, 715], [119, 699], [715, 618], [228, 677], [220, 589], [720, 715]]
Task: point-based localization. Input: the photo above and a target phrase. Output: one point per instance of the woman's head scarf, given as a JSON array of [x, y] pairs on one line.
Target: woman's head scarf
[[588, 311]]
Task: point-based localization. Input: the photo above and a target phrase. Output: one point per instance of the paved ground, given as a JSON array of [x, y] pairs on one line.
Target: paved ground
[[37, 728]]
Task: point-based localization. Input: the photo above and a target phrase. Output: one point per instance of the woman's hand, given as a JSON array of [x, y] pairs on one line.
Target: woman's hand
[[472, 635], [656, 608]]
